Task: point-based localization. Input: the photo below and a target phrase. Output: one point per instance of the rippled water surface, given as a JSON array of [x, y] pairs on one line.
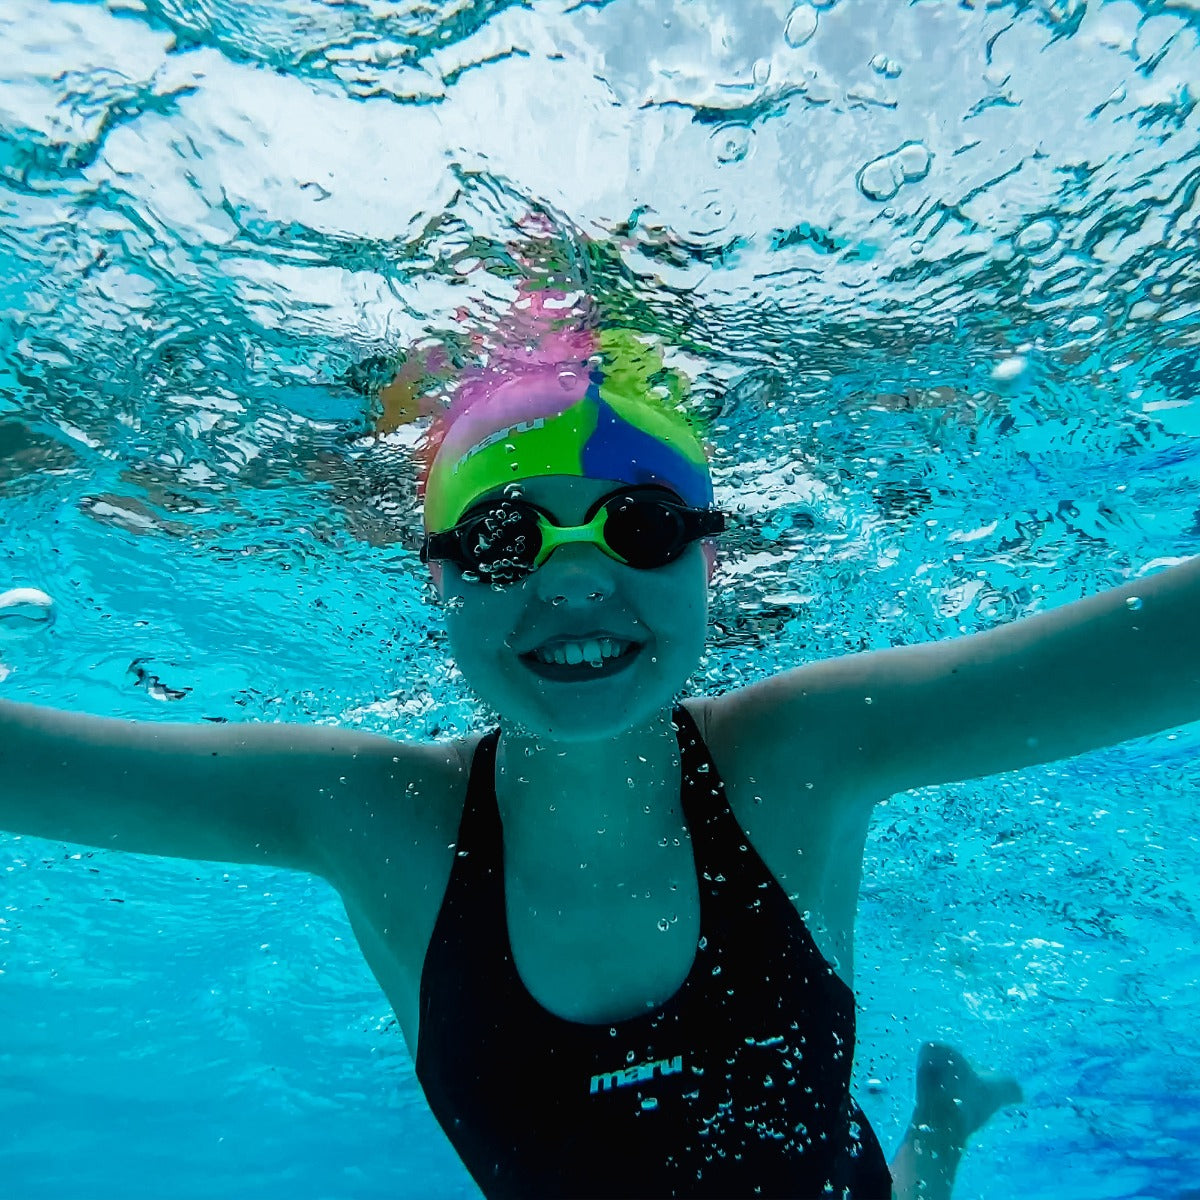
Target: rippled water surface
[[933, 268]]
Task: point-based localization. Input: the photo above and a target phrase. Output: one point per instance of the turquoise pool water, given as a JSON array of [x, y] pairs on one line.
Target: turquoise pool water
[[934, 270]]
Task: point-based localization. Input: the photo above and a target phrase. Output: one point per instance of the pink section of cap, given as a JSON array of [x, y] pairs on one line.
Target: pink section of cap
[[505, 399], [538, 371]]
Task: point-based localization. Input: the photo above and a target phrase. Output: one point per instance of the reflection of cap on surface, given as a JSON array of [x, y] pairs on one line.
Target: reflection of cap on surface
[[591, 403]]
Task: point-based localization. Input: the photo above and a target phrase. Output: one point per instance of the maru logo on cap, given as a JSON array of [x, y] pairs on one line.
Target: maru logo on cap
[[511, 432]]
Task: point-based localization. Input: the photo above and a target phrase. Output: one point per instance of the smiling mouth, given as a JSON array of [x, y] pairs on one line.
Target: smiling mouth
[[595, 659]]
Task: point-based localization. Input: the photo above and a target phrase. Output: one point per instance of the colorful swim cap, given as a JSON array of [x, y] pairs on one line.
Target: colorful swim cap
[[592, 403]]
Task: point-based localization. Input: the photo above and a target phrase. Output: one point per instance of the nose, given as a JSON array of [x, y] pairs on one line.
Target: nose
[[575, 574]]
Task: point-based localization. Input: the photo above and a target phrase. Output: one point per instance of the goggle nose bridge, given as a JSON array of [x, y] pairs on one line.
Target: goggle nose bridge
[[554, 536]]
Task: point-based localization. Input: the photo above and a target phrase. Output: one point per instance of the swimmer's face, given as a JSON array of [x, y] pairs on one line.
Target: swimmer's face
[[645, 627]]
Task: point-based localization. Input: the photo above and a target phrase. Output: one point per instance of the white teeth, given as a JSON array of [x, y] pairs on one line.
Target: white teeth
[[594, 651]]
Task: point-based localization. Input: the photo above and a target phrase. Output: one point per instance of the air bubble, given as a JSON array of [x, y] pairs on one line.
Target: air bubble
[[801, 25], [883, 177], [1009, 368], [1134, 603], [24, 610], [882, 65]]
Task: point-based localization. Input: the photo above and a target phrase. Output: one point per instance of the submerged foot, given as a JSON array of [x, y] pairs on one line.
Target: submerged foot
[[953, 1097]]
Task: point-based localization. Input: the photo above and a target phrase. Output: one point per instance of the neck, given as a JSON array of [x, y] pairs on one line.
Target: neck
[[615, 794]]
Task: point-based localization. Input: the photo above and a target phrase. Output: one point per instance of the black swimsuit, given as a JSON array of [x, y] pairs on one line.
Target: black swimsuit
[[738, 1085]]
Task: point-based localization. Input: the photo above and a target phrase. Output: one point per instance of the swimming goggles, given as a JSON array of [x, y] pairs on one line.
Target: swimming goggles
[[509, 538]]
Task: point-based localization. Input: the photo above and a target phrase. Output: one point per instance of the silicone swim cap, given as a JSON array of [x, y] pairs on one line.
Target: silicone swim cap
[[577, 402]]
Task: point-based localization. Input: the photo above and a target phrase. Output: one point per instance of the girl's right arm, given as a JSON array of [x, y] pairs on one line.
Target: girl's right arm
[[283, 795]]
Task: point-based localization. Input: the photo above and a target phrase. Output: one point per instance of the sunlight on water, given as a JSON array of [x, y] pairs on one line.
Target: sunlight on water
[[933, 269]]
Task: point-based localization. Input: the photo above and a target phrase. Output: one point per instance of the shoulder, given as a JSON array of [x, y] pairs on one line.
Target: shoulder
[[800, 733], [396, 808], [699, 708], [423, 784], [795, 774]]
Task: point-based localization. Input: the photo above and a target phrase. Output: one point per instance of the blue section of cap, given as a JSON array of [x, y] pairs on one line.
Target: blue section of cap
[[618, 450]]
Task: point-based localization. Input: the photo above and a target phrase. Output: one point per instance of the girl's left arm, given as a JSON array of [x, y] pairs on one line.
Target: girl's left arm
[[1118, 665]]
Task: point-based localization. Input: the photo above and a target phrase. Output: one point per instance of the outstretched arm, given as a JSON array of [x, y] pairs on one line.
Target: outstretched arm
[[1119, 665], [283, 795]]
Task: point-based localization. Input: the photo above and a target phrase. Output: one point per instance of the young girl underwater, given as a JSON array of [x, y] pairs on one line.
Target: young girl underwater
[[617, 931]]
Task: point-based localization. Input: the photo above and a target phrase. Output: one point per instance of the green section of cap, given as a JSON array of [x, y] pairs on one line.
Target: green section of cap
[[543, 446]]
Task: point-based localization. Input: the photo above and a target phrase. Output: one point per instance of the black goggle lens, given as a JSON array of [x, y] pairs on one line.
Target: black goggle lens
[[502, 543], [646, 533]]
